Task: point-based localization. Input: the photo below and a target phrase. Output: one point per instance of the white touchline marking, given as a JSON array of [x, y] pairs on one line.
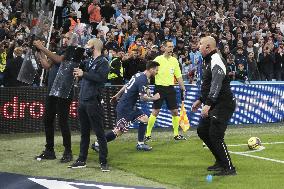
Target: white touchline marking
[[258, 157], [252, 151], [55, 184], [248, 152], [253, 156], [261, 143]]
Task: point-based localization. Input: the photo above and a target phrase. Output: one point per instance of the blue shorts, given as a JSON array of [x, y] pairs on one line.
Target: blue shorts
[[126, 117]]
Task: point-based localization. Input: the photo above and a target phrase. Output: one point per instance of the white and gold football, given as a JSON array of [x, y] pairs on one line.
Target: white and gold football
[[254, 143]]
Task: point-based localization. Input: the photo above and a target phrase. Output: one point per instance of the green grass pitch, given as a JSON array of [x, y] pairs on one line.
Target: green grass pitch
[[171, 164]]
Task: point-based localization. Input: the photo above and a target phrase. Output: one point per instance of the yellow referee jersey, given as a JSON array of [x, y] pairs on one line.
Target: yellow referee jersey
[[169, 67]]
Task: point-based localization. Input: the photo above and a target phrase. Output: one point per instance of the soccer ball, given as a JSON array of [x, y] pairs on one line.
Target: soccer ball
[[254, 143]]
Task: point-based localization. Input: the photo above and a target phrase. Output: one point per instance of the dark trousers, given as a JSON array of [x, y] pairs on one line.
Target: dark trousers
[[212, 131], [60, 106], [91, 116]]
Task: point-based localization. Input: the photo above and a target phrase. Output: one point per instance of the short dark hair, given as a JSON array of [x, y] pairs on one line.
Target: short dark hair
[[152, 64], [167, 41]]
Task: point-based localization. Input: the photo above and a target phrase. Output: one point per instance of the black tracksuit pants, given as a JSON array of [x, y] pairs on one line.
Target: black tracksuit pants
[[91, 117], [212, 131], [60, 106]]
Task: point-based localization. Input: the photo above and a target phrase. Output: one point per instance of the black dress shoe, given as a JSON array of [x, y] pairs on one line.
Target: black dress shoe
[[215, 167], [67, 157], [226, 172], [105, 168], [46, 154]]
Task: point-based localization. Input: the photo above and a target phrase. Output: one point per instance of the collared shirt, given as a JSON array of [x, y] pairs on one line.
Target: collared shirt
[[168, 69]]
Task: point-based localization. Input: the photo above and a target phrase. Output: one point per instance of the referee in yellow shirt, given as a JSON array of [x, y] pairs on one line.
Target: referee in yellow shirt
[[164, 85]]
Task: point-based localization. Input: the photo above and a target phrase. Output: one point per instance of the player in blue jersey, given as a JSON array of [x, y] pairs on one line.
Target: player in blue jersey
[[126, 109]]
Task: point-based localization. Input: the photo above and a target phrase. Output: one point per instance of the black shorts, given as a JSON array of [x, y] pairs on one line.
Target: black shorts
[[168, 94]]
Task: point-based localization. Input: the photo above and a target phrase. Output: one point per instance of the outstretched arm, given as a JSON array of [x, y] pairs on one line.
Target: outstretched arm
[[118, 95]]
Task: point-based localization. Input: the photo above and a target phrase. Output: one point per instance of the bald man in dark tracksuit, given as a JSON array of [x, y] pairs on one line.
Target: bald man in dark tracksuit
[[219, 105]]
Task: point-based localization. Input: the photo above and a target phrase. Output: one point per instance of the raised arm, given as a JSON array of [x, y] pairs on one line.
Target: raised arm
[[46, 64], [53, 56]]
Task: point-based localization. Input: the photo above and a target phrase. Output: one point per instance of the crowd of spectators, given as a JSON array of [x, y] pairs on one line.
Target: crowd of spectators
[[249, 33]]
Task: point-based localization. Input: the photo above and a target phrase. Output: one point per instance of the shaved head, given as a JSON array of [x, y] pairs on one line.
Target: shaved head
[[95, 43], [208, 40], [206, 45]]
